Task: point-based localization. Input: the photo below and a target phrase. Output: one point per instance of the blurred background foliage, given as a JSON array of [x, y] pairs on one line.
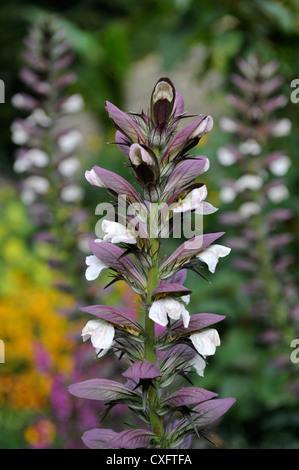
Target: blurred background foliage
[[122, 47]]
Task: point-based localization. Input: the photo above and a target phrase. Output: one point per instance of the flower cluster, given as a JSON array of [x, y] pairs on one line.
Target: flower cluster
[[47, 140], [258, 191], [131, 247], [48, 162]]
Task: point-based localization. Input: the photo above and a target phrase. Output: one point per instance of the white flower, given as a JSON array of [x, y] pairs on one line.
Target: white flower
[[95, 266], [193, 201], [101, 334], [250, 147], [211, 255], [34, 157], [163, 91], [68, 142], [117, 233], [186, 299], [139, 155], [18, 101], [248, 209], [34, 185], [28, 196], [38, 157], [207, 165], [73, 104], [71, 193], [198, 363], [228, 125], [227, 194], [282, 128], [226, 157], [69, 166], [203, 127], [280, 166], [38, 184], [206, 341], [249, 181], [168, 307], [93, 178], [19, 135], [21, 164], [278, 193], [38, 116]]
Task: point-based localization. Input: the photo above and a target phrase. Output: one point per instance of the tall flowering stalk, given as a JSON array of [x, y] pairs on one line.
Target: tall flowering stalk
[[48, 162], [259, 190], [129, 244], [48, 142]]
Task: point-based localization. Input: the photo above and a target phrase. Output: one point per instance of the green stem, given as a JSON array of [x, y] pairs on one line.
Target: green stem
[[149, 346], [272, 287]]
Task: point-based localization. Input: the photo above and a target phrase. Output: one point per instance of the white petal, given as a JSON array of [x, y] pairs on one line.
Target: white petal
[[211, 255], [18, 101], [282, 128], [117, 233], [207, 165], [280, 166], [192, 201], [38, 157], [93, 178], [186, 299], [226, 157], [248, 209], [68, 142], [20, 136], [227, 124], [249, 181], [73, 104], [250, 147], [103, 336], [28, 196], [205, 208], [163, 91], [203, 127], [89, 329], [169, 307], [95, 266], [22, 164], [69, 166], [38, 184], [71, 193], [174, 308], [158, 313], [278, 193], [38, 116], [227, 194], [139, 155], [185, 317], [100, 332], [205, 342], [199, 364]]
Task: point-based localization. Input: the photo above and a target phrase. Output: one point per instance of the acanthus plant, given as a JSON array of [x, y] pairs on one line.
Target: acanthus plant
[[257, 195], [47, 157], [47, 162], [130, 246]]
